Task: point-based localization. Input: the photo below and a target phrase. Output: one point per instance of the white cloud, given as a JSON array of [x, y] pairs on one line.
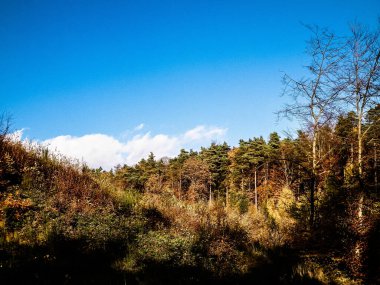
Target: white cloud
[[16, 135], [106, 151], [203, 132], [140, 146], [95, 149]]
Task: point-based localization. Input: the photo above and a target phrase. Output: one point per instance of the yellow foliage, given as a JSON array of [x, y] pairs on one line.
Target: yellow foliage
[[12, 201], [280, 216]]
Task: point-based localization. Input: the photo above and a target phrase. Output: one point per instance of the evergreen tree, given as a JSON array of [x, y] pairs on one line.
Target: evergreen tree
[[216, 157]]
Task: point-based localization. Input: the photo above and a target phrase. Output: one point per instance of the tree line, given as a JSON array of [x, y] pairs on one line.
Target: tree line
[[337, 105]]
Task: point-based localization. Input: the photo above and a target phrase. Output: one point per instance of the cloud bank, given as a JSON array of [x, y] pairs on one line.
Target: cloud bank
[[106, 151]]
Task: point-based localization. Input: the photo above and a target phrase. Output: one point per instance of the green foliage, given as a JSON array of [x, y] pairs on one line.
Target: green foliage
[[165, 247], [239, 200], [216, 157], [128, 200]]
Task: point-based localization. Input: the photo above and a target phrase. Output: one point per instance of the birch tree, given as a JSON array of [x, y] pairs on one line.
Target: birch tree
[[314, 98], [362, 79]]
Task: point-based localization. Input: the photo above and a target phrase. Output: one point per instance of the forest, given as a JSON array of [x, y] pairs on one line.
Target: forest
[[302, 208]]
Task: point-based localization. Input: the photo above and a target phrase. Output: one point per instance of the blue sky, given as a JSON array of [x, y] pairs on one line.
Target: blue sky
[[76, 68]]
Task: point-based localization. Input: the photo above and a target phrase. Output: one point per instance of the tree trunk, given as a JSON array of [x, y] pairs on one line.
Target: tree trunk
[[227, 199], [242, 181], [359, 215], [312, 208], [210, 197], [375, 167], [360, 147], [358, 249], [256, 189], [314, 182], [285, 169], [314, 154], [180, 185]]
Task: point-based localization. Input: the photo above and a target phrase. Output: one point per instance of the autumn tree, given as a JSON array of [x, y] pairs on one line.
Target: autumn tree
[[361, 75], [198, 174]]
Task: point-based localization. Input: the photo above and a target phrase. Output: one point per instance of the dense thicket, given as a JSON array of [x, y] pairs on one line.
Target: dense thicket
[[293, 210]]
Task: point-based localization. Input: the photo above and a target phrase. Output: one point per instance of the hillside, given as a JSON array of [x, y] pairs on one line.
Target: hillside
[[192, 219]]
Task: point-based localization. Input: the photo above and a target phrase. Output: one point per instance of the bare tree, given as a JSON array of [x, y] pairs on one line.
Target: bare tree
[[315, 97], [362, 78], [5, 124]]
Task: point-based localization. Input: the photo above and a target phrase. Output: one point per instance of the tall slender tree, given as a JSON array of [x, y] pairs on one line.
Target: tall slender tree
[[362, 78], [315, 97]]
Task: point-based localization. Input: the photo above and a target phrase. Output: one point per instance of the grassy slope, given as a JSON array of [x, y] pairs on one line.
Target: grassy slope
[[61, 223]]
